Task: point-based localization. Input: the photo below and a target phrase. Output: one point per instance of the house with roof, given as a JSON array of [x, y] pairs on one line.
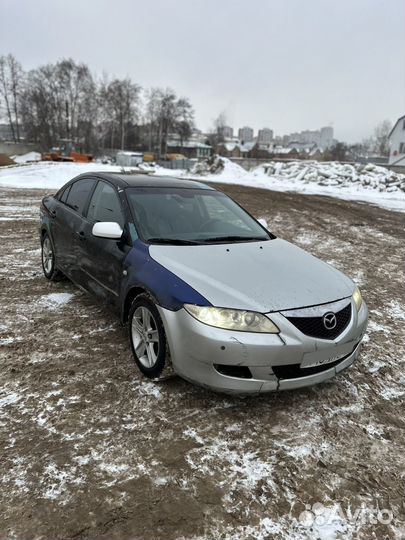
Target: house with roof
[[397, 143], [229, 149], [192, 149], [235, 149]]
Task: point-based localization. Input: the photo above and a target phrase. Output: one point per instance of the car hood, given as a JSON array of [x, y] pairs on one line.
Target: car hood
[[260, 276]]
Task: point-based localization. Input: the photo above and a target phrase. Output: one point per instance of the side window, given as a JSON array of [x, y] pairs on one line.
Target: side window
[[105, 205], [65, 193], [79, 193]]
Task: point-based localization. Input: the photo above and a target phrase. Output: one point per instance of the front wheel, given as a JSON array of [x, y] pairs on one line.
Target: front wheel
[[48, 260], [147, 337]]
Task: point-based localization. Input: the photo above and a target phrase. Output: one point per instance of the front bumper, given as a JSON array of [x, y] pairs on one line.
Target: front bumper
[[196, 349]]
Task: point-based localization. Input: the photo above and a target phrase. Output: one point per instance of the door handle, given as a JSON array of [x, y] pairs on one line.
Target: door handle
[[53, 213], [81, 235]]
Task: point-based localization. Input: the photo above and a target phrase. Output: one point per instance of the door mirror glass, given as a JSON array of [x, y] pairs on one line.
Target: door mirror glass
[[107, 229], [263, 222]]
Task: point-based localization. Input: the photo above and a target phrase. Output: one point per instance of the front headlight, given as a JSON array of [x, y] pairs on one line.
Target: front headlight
[[357, 298], [232, 319]]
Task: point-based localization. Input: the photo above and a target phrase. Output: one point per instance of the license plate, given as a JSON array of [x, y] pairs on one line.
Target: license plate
[[322, 361], [327, 355]]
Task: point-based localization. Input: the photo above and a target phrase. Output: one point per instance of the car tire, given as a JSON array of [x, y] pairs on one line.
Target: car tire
[[48, 259], [148, 338]]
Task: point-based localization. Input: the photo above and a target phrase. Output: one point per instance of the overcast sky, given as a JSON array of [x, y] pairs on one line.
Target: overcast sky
[[284, 64]]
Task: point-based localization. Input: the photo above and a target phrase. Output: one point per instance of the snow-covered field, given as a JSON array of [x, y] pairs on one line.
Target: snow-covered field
[[367, 183], [90, 449]]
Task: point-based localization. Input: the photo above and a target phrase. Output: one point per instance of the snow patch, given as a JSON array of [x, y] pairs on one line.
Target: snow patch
[[55, 301], [396, 311], [150, 389], [26, 158], [11, 398], [375, 327], [57, 482], [391, 393]]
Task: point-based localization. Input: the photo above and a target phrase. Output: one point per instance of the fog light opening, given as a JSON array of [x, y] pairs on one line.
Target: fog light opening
[[240, 372]]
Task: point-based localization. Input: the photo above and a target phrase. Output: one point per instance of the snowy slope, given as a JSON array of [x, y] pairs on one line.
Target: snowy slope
[[48, 174], [26, 158]]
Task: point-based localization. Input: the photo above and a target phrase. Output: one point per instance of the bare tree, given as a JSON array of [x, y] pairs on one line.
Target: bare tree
[[11, 80], [16, 82], [5, 93], [59, 102], [166, 114], [151, 116], [120, 99], [381, 133], [338, 152], [166, 118], [184, 121], [219, 123], [216, 135], [63, 101]]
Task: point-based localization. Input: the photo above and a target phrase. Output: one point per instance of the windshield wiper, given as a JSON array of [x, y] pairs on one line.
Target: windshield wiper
[[236, 238], [174, 241]]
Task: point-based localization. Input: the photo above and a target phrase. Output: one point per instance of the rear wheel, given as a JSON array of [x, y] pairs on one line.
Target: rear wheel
[[48, 260], [147, 337]]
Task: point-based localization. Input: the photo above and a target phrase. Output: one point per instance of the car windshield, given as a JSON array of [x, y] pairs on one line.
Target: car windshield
[[191, 216]]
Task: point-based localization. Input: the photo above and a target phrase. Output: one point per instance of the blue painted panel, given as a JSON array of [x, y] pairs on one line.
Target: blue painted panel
[[170, 291]]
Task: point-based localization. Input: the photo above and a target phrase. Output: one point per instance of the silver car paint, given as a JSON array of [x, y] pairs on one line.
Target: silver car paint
[[261, 276], [196, 348]]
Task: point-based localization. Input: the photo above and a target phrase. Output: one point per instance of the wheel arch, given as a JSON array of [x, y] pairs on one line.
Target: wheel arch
[[131, 294]]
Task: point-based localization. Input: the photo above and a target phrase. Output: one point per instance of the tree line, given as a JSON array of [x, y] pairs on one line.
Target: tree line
[[65, 101]]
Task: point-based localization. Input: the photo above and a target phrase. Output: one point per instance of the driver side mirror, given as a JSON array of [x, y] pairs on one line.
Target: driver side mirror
[[263, 222], [107, 229]]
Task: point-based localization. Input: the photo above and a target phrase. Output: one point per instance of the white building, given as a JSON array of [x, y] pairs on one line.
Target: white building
[[397, 143], [226, 132], [321, 137], [245, 134], [326, 137], [265, 136]]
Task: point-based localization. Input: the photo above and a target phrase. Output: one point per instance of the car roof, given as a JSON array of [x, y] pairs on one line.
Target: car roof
[[123, 180]]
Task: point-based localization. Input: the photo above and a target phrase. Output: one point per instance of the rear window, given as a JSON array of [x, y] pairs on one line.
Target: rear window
[[79, 193]]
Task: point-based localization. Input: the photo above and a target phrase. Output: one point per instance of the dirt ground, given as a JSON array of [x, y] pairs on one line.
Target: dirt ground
[[90, 449]]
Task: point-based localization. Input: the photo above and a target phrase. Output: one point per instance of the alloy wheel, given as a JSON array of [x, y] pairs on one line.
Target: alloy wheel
[[47, 255], [145, 336]]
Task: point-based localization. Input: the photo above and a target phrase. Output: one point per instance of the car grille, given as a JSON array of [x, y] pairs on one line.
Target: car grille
[[314, 327]]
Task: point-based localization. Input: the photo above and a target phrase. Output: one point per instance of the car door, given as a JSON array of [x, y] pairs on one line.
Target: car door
[[101, 259], [58, 229], [68, 222]]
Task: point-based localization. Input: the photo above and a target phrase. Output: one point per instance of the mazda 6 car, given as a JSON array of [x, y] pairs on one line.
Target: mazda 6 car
[[205, 289]]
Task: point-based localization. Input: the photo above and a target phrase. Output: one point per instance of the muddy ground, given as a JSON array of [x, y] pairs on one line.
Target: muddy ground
[[90, 449]]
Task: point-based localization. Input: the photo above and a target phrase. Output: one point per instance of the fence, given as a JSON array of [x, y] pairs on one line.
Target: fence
[[18, 149]]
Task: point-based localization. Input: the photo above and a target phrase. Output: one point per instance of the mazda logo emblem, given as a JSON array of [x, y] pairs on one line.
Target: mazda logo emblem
[[329, 321]]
